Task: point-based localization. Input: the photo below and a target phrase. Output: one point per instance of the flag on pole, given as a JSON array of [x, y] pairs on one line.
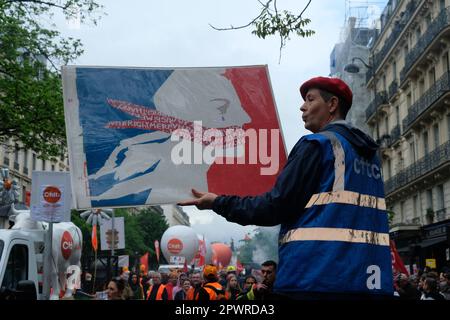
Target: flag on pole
[[144, 263], [202, 251], [94, 237], [157, 250], [397, 264]]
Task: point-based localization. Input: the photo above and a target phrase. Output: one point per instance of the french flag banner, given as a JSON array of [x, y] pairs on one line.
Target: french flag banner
[[147, 136]]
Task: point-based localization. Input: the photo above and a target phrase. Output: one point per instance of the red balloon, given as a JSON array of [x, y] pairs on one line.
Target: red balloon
[[222, 253]]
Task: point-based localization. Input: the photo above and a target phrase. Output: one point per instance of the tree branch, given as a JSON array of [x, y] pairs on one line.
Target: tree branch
[[50, 4], [266, 7], [301, 13]]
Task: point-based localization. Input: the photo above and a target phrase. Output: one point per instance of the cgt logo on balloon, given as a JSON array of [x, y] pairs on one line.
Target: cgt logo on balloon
[[66, 245], [175, 246]]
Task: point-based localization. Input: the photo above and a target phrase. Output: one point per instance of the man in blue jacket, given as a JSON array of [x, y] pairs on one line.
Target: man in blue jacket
[[329, 200]]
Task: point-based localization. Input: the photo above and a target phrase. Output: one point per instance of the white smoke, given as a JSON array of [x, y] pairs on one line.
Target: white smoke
[[267, 251]]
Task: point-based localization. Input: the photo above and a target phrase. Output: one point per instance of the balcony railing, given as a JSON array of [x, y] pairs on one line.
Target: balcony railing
[[396, 31], [387, 14], [437, 90], [393, 88], [380, 98], [431, 161], [441, 22]]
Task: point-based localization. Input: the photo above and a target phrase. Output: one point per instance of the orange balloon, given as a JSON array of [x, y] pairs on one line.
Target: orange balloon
[[222, 252]]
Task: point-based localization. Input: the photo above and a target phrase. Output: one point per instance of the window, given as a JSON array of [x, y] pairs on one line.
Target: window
[[400, 162], [416, 206], [43, 165], [384, 82], [448, 126], [53, 167], [408, 100], [17, 266], [421, 87], [425, 143], [394, 70], [386, 124], [33, 165], [402, 211], [441, 5], [418, 33], [440, 197], [6, 155], [389, 168], [429, 199], [412, 152], [428, 20], [432, 76], [16, 153], [397, 115], [25, 159], [440, 212], [436, 135], [446, 62]]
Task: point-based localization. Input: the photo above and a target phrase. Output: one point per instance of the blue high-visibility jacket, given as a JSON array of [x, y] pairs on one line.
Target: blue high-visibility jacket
[[340, 243], [329, 200]]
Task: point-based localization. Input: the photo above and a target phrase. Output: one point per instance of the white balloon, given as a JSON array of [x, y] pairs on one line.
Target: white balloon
[[179, 241]]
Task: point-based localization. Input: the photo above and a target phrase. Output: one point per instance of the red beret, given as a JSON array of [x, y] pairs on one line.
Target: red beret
[[332, 85]]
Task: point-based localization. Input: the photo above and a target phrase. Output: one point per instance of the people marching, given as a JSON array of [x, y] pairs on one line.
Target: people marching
[[257, 285]]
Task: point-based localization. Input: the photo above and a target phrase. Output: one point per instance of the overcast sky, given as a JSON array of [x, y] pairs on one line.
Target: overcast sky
[[175, 33]]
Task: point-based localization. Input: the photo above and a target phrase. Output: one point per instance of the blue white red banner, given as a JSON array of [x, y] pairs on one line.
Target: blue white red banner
[[145, 136]]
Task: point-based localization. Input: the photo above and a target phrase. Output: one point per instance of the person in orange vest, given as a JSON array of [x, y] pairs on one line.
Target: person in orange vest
[[212, 286], [157, 291], [196, 292]]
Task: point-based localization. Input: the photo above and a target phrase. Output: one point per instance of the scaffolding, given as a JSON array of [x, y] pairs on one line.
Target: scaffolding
[[361, 15]]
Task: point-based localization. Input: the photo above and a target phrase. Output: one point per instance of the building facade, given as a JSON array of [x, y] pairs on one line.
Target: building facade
[[175, 215], [21, 163], [409, 116]]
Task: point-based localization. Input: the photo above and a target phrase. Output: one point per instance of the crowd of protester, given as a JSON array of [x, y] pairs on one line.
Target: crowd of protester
[[228, 284], [425, 285], [210, 284]]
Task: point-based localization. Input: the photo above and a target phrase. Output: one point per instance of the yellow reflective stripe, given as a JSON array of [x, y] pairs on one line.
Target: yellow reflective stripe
[[339, 161], [336, 234], [347, 197]]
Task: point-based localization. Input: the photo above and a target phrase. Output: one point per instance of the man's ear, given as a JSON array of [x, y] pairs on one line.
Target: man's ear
[[334, 104]]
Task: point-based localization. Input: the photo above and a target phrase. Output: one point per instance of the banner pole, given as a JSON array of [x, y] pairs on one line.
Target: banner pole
[[112, 242], [47, 262]]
